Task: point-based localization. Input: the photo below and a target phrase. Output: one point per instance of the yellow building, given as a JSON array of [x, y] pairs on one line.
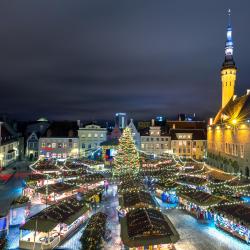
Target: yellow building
[[229, 134], [189, 143]]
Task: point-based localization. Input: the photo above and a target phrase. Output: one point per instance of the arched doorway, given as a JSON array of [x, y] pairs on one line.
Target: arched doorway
[[247, 172]]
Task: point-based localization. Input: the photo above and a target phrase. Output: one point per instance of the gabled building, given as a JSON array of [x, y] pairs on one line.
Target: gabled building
[[189, 143], [32, 134], [229, 132], [156, 140], [135, 134], [11, 145], [90, 138]]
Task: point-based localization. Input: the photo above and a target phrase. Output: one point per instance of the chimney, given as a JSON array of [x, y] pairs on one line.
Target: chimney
[[153, 122]]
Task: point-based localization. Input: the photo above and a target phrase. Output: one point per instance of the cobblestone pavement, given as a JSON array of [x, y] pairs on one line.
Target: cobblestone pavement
[[195, 235], [109, 204]]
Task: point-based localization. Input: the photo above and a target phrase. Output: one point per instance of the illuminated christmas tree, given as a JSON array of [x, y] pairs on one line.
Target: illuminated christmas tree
[[126, 160]]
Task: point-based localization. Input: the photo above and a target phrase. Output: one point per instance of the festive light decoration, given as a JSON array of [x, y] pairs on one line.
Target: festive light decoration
[[127, 157]]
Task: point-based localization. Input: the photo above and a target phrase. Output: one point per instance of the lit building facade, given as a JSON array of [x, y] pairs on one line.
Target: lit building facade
[[189, 143], [58, 147], [11, 145], [155, 141], [90, 138], [60, 141], [33, 132], [229, 132]]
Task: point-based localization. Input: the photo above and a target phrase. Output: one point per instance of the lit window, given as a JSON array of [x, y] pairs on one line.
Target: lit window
[[53, 145], [241, 151], [96, 134], [89, 135]]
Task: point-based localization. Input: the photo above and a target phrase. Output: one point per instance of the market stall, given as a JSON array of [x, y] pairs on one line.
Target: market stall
[[49, 227], [198, 203], [147, 228], [234, 219]]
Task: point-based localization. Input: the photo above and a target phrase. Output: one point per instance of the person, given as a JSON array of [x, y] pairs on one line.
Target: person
[[100, 196]]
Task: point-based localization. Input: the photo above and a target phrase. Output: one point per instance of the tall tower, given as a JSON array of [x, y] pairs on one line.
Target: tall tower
[[228, 70]]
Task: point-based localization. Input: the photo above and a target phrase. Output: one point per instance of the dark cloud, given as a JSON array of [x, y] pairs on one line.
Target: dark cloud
[[90, 59]]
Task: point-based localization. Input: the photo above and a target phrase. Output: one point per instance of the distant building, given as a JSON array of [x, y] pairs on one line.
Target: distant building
[[60, 141], [186, 117], [33, 132], [155, 140], [188, 143], [135, 134], [116, 133], [121, 120], [160, 120], [229, 133], [143, 125], [11, 145], [90, 138]]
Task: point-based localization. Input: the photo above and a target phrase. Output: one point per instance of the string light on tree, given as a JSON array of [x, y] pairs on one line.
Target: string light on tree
[[127, 158]]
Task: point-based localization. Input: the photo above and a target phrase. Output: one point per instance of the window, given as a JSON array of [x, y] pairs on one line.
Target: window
[[53, 145], [89, 146], [142, 146], [60, 145], [101, 135], [64, 145], [96, 135], [49, 145], [83, 145], [83, 136], [43, 144], [241, 151], [75, 145], [89, 134]]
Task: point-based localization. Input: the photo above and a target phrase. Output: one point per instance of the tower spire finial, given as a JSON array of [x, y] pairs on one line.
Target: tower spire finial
[[229, 17]]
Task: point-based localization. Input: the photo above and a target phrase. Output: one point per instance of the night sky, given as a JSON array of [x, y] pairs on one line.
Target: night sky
[[89, 59]]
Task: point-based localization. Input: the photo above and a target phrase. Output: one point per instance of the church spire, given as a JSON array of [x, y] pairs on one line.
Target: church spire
[[229, 61], [229, 41], [229, 70]]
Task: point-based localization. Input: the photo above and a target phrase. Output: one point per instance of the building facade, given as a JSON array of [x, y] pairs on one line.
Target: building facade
[[11, 145], [189, 143], [155, 141], [32, 134], [135, 134], [60, 141], [229, 132], [90, 138]]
